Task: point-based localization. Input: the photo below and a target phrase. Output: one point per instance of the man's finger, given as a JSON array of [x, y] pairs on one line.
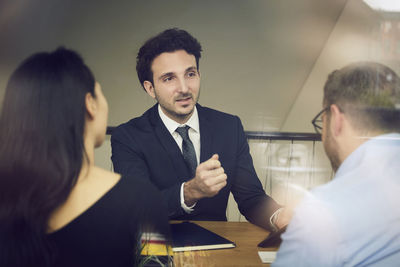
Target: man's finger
[[216, 172], [216, 188], [215, 180], [210, 164]]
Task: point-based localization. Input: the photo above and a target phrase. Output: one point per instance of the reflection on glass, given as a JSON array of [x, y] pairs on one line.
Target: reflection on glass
[[289, 169]]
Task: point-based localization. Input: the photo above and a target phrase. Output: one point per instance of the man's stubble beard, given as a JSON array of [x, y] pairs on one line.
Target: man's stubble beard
[[331, 150]]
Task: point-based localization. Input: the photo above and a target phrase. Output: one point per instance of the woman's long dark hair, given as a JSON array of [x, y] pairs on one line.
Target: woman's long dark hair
[[41, 150]]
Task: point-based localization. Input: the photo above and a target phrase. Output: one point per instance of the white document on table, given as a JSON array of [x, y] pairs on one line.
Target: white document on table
[[267, 256]]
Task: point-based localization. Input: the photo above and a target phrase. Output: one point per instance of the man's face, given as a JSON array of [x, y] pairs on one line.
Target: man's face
[[330, 144], [176, 84]]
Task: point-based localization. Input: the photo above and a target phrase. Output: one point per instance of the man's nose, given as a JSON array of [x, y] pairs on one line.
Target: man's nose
[[183, 86]]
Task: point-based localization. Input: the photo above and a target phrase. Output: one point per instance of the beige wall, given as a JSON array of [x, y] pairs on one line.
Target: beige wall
[[265, 61], [257, 54], [355, 37]]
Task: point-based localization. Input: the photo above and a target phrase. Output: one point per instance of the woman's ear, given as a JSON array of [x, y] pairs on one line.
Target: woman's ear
[[336, 120], [149, 88], [91, 105]]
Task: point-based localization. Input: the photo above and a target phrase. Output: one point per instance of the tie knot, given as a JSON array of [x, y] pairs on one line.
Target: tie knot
[[183, 131]]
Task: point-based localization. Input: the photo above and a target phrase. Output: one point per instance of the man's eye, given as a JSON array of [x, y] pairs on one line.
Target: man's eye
[[167, 79], [192, 74]]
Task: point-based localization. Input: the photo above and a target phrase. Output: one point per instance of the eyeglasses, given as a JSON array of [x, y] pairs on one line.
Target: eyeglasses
[[317, 121]]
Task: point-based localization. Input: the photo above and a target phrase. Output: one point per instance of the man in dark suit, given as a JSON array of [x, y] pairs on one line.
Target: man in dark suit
[[195, 155]]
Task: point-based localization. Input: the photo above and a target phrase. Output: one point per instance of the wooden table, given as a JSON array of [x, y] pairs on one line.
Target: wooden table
[[244, 234]]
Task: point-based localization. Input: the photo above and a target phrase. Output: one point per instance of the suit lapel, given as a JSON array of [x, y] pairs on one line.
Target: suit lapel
[[206, 134], [169, 145]]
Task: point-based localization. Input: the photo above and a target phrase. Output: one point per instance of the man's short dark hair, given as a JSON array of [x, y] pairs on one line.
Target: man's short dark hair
[[169, 40], [369, 93]]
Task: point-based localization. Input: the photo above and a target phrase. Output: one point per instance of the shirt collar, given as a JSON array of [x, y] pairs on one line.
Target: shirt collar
[[354, 159], [171, 125]]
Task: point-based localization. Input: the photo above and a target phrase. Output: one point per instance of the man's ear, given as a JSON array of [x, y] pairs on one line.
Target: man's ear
[[149, 88], [91, 105], [336, 120]]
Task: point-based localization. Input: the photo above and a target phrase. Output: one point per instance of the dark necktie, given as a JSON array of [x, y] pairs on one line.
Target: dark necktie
[[189, 154]]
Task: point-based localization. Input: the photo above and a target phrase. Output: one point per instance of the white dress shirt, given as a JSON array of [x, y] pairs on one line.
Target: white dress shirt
[[194, 135]]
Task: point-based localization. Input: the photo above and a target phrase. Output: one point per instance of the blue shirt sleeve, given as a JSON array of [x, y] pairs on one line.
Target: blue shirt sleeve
[[312, 237]]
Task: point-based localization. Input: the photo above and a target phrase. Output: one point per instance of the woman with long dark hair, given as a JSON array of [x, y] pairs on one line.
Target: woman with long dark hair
[[56, 207]]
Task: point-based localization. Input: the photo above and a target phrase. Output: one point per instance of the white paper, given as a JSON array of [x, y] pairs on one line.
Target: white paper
[[267, 256]]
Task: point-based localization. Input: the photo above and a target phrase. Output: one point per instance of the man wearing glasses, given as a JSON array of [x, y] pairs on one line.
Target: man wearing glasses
[[354, 220]]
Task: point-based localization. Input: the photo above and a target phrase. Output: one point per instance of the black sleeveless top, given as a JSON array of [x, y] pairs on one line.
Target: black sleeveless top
[[108, 232]]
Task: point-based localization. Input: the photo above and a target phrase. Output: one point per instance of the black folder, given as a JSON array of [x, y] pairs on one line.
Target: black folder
[[188, 236], [273, 239]]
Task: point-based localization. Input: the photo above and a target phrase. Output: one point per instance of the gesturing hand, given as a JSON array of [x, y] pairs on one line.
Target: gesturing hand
[[209, 180]]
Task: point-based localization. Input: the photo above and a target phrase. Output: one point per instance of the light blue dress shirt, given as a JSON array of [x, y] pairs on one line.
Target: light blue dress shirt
[[354, 220]]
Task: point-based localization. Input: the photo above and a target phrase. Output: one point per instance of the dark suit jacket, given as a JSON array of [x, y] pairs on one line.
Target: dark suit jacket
[[143, 148]]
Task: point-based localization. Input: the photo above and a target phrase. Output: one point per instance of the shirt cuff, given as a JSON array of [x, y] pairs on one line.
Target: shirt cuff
[[183, 205], [273, 218]]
